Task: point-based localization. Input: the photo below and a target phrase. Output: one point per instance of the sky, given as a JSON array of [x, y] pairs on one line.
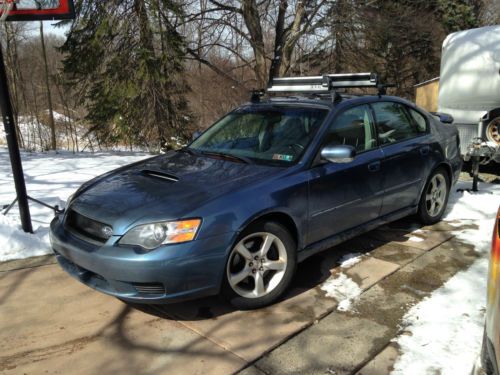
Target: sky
[[49, 28]]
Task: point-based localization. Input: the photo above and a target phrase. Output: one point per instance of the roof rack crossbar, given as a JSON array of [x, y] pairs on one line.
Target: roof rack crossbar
[[324, 83]]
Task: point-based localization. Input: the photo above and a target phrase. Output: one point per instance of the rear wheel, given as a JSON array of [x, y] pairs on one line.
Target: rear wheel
[[260, 266], [434, 197]]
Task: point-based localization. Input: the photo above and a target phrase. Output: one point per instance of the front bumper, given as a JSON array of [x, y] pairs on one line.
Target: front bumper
[[168, 274]]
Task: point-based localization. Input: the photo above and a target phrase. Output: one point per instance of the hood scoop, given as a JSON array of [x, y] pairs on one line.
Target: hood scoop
[[160, 175]]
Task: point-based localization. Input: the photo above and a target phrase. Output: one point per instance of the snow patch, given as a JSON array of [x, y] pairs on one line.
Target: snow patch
[[343, 289], [349, 260], [415, 239], [446, 327], [51, 178]]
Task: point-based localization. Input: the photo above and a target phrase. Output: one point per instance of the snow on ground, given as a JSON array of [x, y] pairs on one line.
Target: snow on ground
[[340, 286], [51, 178], [349, 260], [343, 289], [446, 328]]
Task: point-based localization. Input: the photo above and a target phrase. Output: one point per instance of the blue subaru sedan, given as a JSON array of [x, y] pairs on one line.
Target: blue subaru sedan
[[268, 185]]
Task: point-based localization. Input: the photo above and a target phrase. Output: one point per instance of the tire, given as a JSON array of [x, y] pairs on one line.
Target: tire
[[486, 363], [260, 266], [434, 197], [493, 131]]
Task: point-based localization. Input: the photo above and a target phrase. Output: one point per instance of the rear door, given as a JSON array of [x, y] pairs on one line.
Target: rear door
[[343, 196], [405, 147]]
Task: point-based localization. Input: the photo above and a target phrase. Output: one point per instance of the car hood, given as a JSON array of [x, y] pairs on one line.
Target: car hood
[[170, 186]]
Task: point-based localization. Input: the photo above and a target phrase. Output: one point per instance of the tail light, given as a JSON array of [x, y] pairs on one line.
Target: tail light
[[494, 260], [495, 243]]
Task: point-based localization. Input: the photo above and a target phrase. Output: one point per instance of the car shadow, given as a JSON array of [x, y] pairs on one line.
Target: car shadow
[[310, 274]]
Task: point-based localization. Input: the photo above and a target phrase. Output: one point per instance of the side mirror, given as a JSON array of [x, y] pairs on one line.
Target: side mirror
[[444, 117], [195, 135], [338, 153]]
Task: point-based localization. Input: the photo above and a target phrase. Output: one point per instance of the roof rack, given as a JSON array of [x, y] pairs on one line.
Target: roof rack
[[323, 84]]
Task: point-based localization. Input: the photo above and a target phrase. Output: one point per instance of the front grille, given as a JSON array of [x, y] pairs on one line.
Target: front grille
[[149, 288], [86, 227]]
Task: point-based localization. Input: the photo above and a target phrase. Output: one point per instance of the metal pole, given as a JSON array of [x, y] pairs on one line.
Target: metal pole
[[15, 156], [475, 171]]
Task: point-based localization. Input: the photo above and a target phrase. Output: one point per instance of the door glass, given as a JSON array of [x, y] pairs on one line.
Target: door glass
[[393, 124], [353, 127], [419, 120]]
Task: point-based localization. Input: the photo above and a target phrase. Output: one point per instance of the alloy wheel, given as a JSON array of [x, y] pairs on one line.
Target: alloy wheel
[[256, 265], [435, 197]]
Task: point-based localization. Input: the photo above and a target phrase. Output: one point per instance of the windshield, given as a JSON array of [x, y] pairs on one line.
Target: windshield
[[275, 135]]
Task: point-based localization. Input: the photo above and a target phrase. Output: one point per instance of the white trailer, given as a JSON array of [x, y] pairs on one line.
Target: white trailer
[[469, 87]]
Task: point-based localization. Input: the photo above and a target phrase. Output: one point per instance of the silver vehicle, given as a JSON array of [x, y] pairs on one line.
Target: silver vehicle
[[469, 87]]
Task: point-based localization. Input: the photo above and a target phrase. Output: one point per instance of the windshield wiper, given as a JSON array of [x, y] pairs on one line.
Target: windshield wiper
[[188, 151], [241, 159]]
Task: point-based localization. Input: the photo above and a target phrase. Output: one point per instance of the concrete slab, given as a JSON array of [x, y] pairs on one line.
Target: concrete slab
[[344, 342], [252, 370], [370, 271], [420, 239], [396, 253], [249, 334], [383, 363], [50, 323], [332, 346]]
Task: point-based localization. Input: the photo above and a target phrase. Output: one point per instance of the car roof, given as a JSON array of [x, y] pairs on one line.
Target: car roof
[[325, 101]]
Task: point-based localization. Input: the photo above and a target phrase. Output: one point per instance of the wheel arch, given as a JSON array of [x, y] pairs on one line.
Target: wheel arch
[[447, 168], [280, 217]]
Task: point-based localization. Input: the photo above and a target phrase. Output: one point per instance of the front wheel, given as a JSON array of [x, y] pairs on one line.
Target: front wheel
[[260, 266], [434, 197]]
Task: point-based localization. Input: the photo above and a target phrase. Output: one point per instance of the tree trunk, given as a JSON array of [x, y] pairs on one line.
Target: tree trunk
[[291, 38], [53, 145], [278, 40], [252, 21]]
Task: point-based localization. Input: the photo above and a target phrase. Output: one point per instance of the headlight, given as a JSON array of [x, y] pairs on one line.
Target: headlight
[[150, 236]]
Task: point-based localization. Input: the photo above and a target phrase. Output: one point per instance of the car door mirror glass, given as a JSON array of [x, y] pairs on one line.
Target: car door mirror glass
[[445, 118], [338, 153]]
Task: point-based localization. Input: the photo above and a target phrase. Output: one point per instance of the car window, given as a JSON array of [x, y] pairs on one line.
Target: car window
[[267, 134], [420, 120], [393, 123], [353, 127]]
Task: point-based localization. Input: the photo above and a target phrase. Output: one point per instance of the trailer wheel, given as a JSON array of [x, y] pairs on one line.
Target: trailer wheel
[[493, 130]]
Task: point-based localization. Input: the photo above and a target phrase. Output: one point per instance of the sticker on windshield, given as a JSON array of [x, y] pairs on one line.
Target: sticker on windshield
[[282, 157]]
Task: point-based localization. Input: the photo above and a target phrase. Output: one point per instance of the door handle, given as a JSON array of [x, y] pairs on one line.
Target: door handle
[[424, 150], [374, 167]]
